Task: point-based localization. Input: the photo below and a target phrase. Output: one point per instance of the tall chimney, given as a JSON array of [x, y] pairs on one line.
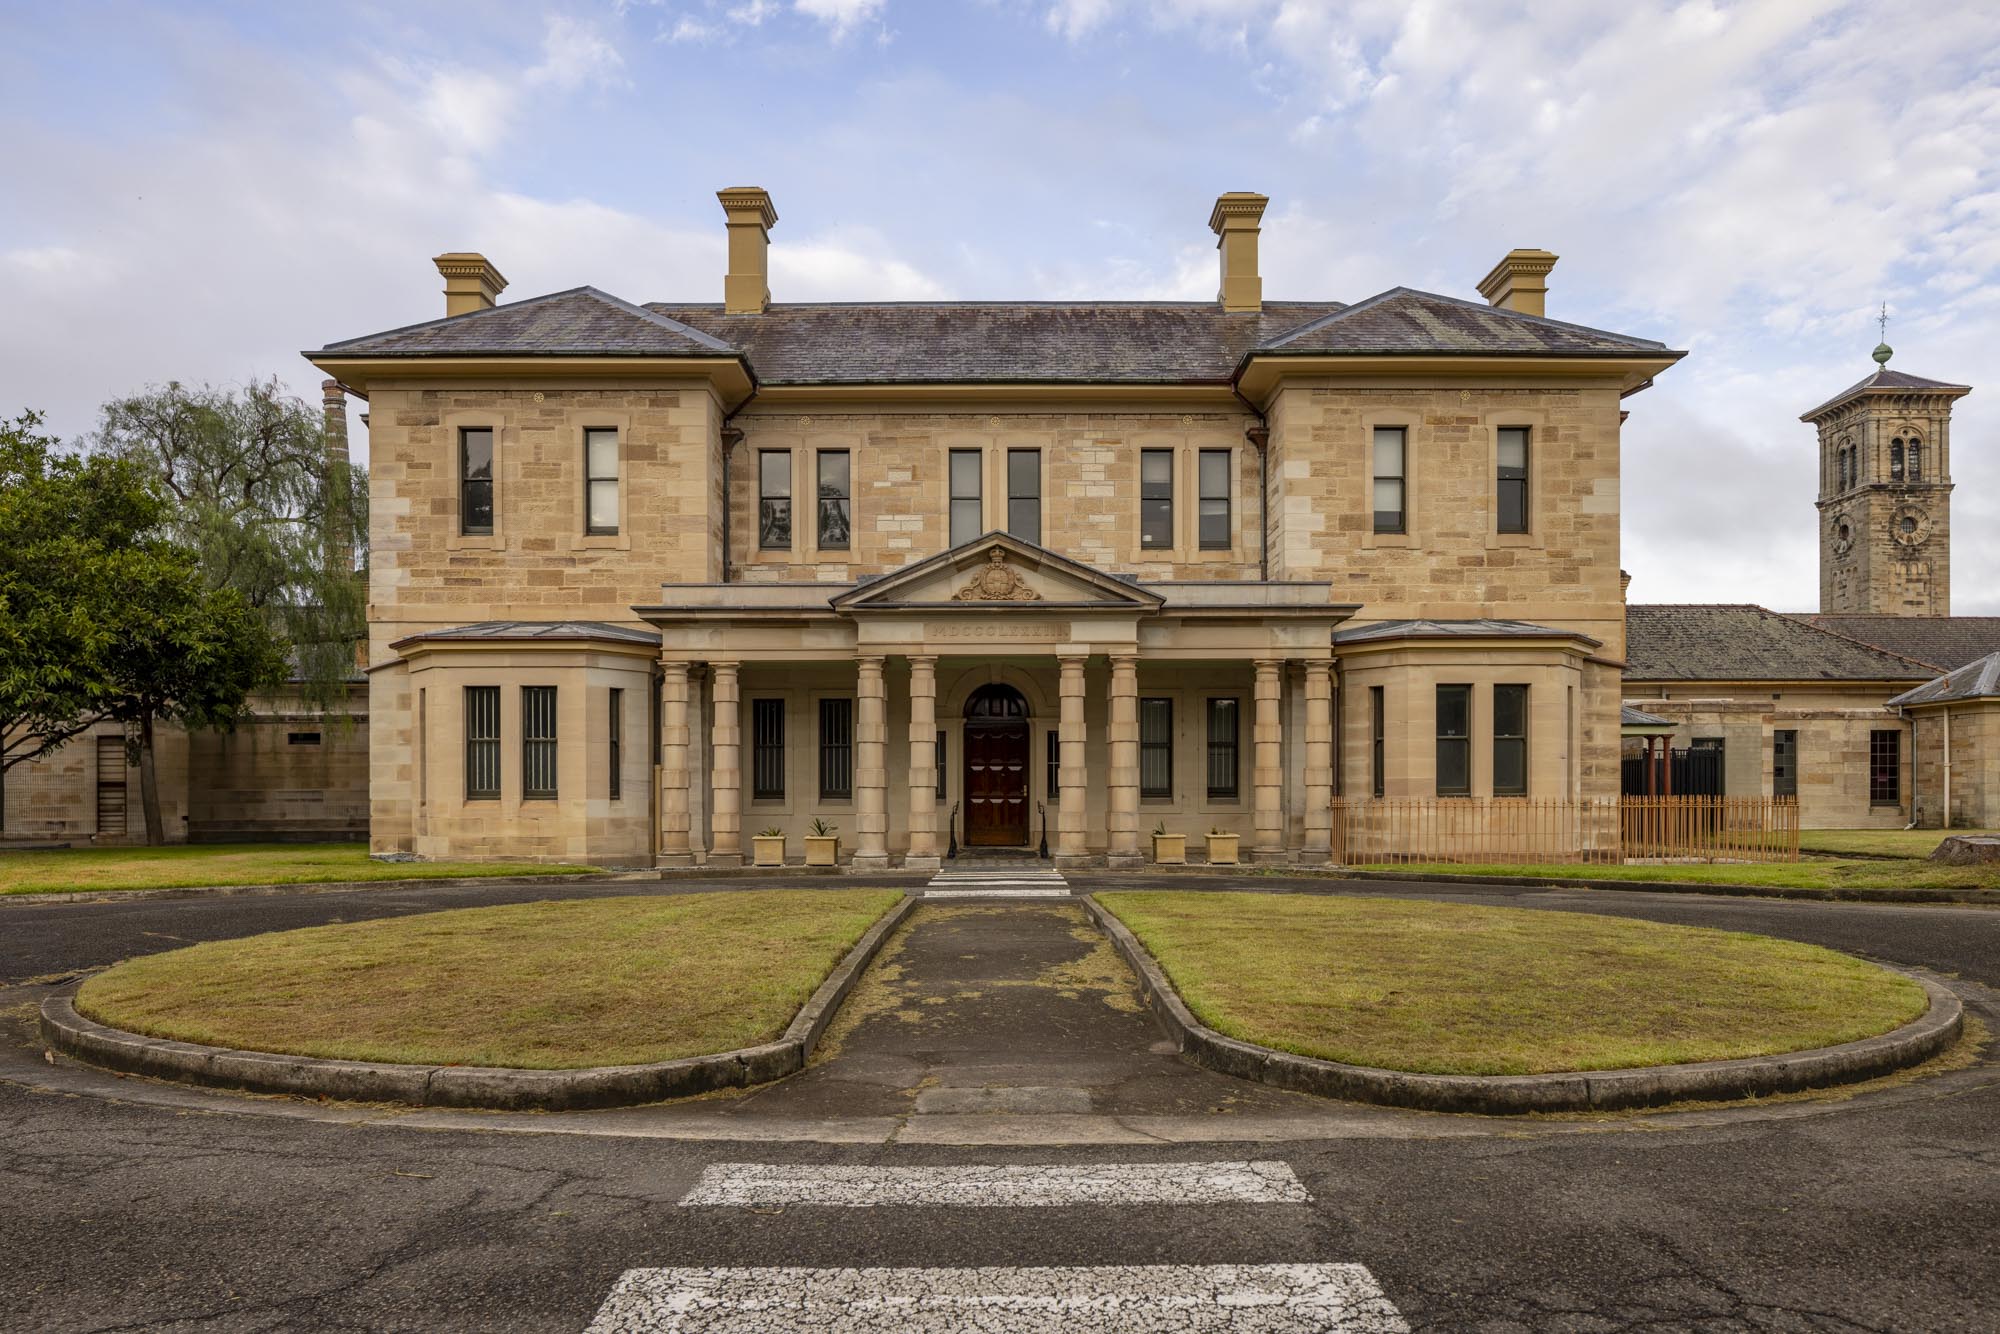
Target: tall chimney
[[339, 554], [1519, 282], [1234, 222], [746, 288], [470, 282]]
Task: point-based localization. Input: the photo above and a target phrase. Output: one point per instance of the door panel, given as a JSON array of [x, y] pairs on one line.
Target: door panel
[[996, 784]]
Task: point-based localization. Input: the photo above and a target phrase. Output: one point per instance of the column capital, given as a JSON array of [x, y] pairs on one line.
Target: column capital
[[723, 664], [921, 659]]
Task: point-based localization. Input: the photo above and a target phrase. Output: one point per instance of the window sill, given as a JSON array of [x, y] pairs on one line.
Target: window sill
[[475, 542]]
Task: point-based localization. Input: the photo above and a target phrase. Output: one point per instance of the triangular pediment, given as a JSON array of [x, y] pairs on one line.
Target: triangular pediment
[[997, 573]]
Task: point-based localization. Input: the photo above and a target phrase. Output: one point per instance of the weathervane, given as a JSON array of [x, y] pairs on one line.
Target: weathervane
[[1882, 350]]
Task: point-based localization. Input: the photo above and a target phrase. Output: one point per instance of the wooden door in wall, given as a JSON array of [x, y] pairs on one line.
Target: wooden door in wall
[[996, 768]]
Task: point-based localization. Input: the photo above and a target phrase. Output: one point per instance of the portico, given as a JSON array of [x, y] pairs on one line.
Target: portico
[[996, 695]]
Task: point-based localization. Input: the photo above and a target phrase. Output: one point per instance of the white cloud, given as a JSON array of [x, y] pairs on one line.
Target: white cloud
[[574, 54], [842, 16]]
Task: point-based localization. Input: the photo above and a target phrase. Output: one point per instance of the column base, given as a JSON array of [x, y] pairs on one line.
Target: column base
[[1269, 856], [931, 863], [868, 861], [723, 859], [1125, 860], [1319, 857], [674, 859], [1072, 860]]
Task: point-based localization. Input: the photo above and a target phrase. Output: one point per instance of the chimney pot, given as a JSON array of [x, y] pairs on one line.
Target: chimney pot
[[470, 282], [746, 288], [1519, 282], [1234, 222]]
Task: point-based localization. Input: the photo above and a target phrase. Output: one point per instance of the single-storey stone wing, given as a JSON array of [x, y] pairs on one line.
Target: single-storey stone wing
[[649, 578]]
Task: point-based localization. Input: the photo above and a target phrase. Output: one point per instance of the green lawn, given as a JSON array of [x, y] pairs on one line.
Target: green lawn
[[1449, 988], [536, 985], [183, 865], [1918, 843], [1811, 874]]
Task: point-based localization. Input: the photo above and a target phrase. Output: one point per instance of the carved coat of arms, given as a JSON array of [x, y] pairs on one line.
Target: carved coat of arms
[[998, 582]]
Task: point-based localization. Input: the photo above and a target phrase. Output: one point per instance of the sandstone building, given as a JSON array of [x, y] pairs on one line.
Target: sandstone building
[[647, 579]]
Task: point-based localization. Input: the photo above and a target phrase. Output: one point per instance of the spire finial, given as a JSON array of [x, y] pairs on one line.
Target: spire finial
[[1882, 349]]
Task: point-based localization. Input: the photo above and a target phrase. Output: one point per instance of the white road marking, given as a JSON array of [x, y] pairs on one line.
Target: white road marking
[[1008, 1186], [997, 892], [1118, 1299]]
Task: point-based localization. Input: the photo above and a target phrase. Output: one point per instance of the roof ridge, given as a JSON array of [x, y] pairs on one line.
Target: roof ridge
[[658, 320], [1485, 308], [462, 315], [1886, 652]]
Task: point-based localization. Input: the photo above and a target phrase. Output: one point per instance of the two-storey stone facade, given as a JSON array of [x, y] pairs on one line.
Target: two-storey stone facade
[[647, 580]]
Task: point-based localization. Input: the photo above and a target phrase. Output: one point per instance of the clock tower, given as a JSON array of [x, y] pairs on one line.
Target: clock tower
[[1885, 494]]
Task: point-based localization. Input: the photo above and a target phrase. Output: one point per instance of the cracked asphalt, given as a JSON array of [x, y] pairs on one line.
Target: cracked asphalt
[[124, 1206]]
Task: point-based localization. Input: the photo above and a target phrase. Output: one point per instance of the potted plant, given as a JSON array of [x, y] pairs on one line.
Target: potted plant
[[1222, 848], [1169, 849], [822, 843], [768, 847]]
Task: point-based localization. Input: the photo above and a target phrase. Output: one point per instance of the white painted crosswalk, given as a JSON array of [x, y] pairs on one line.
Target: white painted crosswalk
[[1005, 882], [1007, 1186], [1115, 1299], [1327, 1298]]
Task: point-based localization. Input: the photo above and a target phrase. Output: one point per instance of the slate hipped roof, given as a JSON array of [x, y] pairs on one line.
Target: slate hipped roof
[[1086, 342], [1978, 679], [1743, 642], [515, 631], [1472, 629], [1944, 642], [1886, 381]]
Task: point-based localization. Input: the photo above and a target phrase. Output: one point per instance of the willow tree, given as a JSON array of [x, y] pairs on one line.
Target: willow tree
[[253, 491]]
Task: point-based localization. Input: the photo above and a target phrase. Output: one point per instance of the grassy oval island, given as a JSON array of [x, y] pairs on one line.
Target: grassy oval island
[[1456, 989], [536, 986]]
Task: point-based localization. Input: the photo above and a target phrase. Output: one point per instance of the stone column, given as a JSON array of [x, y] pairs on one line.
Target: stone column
[[726, 776], [1124, 736], [674, 814], [1072, 772], [1268, 773], [871, 767], [1319, 763], [923, 854]]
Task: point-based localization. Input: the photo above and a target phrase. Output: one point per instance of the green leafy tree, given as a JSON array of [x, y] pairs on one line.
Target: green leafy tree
[[64, 519], [187, 653], [253, 493]]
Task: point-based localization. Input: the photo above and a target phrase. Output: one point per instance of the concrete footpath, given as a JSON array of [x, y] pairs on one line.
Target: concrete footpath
[[1015, 1008]]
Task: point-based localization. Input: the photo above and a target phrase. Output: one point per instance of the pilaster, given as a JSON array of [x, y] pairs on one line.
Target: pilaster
[[1072, 772], [871, 766], [1319, 763], [674, 813], [923, 854], [1268, 771], [726, 771], [1124, 738]]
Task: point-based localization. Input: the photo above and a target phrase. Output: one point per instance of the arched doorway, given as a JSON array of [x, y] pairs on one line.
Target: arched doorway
[[996, 768]]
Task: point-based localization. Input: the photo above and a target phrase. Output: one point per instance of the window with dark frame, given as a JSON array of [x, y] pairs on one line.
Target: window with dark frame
[[940, 765], [1213, 515], [1511, 482], [1156, 747], [1784, 763], [774, 499], [1053, 749], [302, 738], [475, 481], [1885, 768], [1024, 494], [1225, 717], [967, 521], [617, 747], [1378, 737], [836, 500], [1915, 473], [767, 749], [538, 743], [1510, 741], [1896, 459], [1391, 456], [600, 481], [836, 749], [1156, 499], [1454, 741], [482, 743]]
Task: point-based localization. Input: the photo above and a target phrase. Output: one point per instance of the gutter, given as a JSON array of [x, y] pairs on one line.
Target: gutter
[[1260, 436]]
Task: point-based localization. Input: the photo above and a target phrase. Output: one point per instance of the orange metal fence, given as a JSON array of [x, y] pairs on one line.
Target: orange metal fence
[[1604, 831]]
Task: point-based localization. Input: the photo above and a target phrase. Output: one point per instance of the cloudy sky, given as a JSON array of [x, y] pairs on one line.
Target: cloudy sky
[[197, 192]]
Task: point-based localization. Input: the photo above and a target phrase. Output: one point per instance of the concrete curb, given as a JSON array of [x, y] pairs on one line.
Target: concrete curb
[[659, 875], [1853, 894], [1500, 1095], [487, 1088]]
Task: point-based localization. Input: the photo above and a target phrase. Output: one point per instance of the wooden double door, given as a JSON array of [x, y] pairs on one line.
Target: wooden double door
[[997, 753]]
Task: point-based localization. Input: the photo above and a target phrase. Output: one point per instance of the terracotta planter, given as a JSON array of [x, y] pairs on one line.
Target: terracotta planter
[[1222, 849], [1170, 849], [822, 851], [768, 850]]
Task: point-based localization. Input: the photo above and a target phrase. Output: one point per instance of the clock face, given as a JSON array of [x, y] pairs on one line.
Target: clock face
[[1909, 525]]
